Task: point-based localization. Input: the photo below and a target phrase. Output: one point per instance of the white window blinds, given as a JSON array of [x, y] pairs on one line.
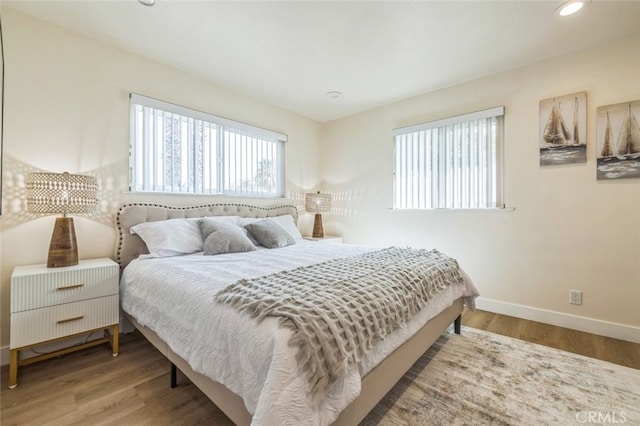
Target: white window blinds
[[179, 150], [453, 163]]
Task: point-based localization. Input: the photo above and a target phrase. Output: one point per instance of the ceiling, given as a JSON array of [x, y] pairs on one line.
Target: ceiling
[[290, 54]]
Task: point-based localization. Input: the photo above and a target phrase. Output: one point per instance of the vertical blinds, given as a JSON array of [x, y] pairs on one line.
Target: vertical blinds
[[451, 163], [178, 150]]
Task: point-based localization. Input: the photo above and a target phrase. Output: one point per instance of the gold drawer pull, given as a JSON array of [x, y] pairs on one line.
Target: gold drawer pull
[[70, 319], [69, 287]]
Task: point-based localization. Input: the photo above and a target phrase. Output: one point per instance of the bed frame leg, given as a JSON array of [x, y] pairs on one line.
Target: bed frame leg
[[174, 376], [456, 324]]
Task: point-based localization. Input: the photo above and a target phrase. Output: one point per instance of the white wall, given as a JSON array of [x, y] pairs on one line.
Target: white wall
[[568, 231], [67, 109]]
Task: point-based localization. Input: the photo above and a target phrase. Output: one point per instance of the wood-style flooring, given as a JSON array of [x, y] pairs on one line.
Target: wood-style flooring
[[591, 345], [91, 387]]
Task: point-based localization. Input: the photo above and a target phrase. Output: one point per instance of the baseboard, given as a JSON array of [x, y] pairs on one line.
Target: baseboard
[[49, 347], [575, 322], [4, 355], [125, 327], [588, 325]]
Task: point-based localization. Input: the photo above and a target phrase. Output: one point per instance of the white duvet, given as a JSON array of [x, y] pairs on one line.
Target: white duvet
[[173, 296]]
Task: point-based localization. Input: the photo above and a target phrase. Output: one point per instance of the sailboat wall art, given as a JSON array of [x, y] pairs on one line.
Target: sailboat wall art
[[618, 141], [563, 129]]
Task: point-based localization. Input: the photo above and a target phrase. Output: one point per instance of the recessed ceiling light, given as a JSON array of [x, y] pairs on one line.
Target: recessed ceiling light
[[333, 94], [569, 7], [147, 2]]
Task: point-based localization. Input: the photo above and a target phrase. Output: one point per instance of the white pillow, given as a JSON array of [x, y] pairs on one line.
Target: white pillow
[[171, 237], [286, 221], [244, 221]]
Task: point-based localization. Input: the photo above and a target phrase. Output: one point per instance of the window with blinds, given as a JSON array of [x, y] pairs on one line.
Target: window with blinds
[[179, 150], [455, 163]]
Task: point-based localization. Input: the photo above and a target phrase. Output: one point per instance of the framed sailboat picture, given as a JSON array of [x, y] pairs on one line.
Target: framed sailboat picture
[[563, 129], [618, 140]]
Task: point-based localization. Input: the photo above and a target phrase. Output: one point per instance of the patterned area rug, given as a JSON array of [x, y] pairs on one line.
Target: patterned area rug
[[481, 378]]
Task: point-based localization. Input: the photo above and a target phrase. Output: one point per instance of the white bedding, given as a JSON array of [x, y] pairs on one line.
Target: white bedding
[[173, 296]]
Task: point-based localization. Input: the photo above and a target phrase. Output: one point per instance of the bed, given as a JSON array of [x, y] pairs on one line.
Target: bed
[[168, 300]]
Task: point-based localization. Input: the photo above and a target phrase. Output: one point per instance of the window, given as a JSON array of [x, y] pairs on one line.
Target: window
[[455, 163], [179, 150]]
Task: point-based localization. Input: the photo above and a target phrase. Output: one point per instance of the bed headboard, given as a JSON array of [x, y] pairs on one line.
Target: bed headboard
[[130, 246]]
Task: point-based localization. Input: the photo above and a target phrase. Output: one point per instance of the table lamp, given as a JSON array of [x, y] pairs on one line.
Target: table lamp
[[317, 203], [61, 193]]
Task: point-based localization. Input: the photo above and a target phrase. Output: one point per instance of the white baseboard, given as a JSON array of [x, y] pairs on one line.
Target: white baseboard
[[49, 347], [4, 355], [125, 327], [588, 325]]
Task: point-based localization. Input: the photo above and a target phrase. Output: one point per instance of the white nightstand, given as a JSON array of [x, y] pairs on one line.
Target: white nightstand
[[326, 239], [52, 304]]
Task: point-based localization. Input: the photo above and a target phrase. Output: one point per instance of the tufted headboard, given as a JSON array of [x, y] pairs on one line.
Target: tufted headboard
[[130, 246]]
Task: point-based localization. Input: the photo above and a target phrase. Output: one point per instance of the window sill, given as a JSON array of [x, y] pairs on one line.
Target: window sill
[[445, 210], [184, 194]]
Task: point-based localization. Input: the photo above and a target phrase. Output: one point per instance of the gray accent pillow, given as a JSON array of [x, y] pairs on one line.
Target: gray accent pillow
[[270, 234], [224, 237]]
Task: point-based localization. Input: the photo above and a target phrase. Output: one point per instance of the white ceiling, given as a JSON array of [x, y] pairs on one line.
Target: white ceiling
[[290, 54]]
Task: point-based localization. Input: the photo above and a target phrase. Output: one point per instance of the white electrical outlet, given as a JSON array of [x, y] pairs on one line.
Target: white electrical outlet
[[575, 297]]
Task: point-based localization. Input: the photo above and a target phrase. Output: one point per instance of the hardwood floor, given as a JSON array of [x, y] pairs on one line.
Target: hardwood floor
[[92, 387], [591, 345]]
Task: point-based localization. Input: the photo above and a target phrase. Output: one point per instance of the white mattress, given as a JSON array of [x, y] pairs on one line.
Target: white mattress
[[173, 296]]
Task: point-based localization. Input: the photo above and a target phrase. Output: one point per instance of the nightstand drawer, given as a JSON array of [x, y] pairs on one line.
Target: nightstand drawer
[[35, 287], [41, 325]]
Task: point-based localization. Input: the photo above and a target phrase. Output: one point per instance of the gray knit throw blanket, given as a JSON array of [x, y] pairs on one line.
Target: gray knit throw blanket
[[341, 308]]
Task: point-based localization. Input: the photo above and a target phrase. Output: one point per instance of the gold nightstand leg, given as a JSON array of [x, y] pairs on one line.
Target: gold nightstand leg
[[13, 369], [114, 340]]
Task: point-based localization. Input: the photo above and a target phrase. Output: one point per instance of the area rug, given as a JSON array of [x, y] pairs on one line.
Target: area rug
[[479, 378]]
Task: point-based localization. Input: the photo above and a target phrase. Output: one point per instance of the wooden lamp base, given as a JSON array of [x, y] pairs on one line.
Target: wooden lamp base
[[63, 249], [318, 232]]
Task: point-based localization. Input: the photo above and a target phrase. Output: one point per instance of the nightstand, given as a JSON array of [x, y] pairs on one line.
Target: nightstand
[[53, 304], [326, 239]]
